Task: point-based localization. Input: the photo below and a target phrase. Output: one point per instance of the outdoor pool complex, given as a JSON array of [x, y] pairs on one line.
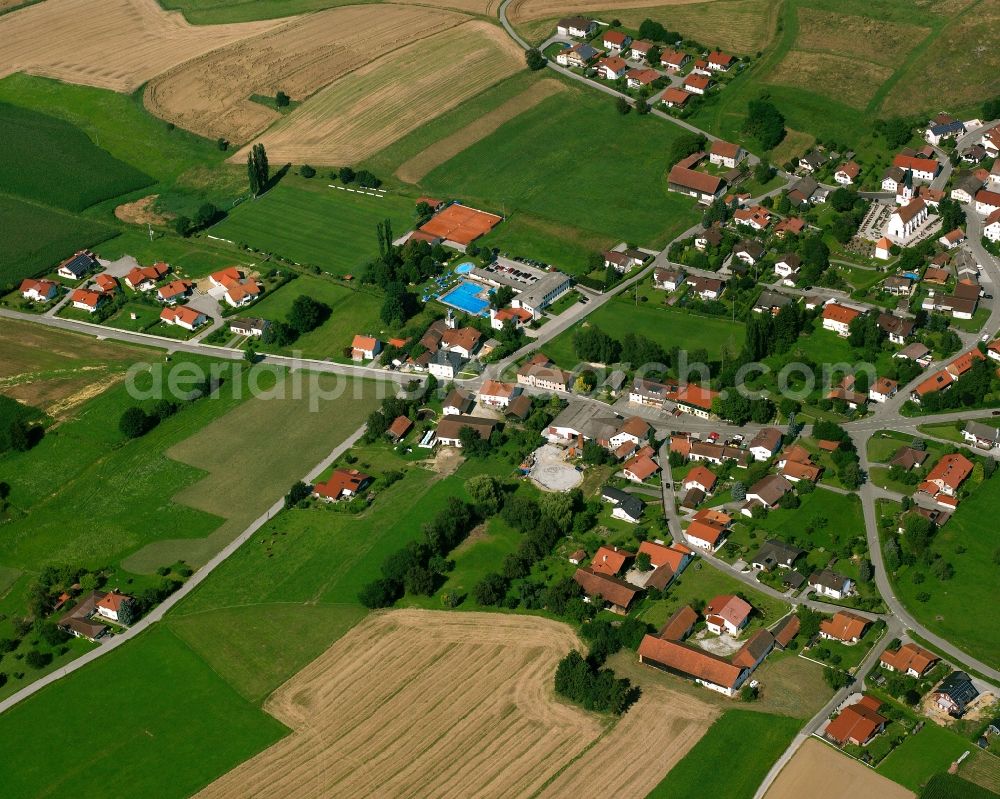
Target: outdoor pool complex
[[464, 269], [469, 297]]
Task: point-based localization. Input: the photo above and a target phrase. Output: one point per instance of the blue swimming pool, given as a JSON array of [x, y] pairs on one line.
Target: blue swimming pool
[[469, 297], [464, 269]]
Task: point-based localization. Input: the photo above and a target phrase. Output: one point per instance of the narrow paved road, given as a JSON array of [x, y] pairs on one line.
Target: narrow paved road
[[192, 583]]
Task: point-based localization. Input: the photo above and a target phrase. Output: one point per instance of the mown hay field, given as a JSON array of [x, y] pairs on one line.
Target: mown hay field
[[526, 10], [444, 149], [459, 704], [210, 95], [851, 81], [958, 69], [821, 772], [113, 44], [367, 110], [739, 26], [864, 38]]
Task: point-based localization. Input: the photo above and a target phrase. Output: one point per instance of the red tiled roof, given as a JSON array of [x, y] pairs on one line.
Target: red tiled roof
[[689, 660], [724, 148], [844, 626], [608, 588], [840, 313], [702, 476], [909, 656], [952, 470], [341, 480], [730, 608], [856, 723], [610, 560]]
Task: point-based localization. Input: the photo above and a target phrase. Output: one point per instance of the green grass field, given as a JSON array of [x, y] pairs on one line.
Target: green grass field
[[666, 326], [759, 737], [550, 163], [311, 223], [946, 611], [948, 786], [166, 726], [922, 755], [51, 161], [36, 238], [215, 12], [194, 257]]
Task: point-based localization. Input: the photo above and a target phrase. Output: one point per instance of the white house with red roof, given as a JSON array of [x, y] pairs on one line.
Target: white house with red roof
[[701, 478], [838, 318], [616, 41], [697, 83], [174, 291], [987, 202], [920, 168], [724, 153], [612, 67], [38, 290], [516, 316], [105, 283], [991, 228], [187, 318], [497, 394], [756, 217], [365, 348], [883, 249], [642, 466], [719, 62], [637, 78], [86, 300], [847, 173], [110, 605], [673, 60], [727, 613], [143, 278]]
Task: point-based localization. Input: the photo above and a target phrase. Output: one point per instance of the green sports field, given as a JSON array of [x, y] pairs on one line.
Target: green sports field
[[313, 224], [215, 12], [730, 733]]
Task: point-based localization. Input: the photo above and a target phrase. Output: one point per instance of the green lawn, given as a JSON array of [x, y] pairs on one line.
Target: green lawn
[[146, 316], [758, 737], [36, 238], [922, 755], [51, 161], [310, 223], [945, 612], [168, 725], [551, 162], [666, 326]]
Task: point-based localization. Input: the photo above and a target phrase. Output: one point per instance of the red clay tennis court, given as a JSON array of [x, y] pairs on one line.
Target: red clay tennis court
[[461, 224]]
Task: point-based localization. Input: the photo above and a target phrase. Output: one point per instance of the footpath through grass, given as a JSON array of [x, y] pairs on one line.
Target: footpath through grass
[[755, 740]]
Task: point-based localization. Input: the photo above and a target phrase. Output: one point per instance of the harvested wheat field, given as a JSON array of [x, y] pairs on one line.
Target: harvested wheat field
[[111, 44], [820, 772], [526, 10], [447, 148], [372, 107], [415, 703], [841, 78], [211, 94]]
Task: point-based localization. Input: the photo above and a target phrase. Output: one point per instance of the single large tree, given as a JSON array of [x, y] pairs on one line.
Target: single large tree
[[257, 169]]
